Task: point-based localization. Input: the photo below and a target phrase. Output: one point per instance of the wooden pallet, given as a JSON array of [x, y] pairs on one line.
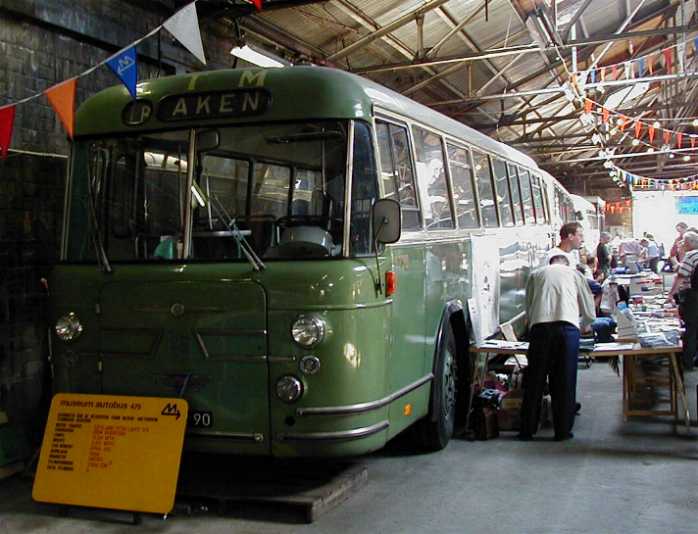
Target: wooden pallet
[[270, 489]]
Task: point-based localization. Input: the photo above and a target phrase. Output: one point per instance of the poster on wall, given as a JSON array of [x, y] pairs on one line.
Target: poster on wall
[[485, 254]]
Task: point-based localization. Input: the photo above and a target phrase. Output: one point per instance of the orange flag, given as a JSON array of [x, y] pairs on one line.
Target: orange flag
[[62, 99]]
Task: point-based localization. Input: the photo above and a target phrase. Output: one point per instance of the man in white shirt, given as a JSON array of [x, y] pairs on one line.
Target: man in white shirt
[[571, 239], [685, 288], [557, 295]]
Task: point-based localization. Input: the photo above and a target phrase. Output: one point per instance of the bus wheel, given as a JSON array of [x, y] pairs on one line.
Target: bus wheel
[[436, 429]]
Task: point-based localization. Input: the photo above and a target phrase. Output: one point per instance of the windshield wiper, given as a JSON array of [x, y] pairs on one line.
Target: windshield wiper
[[246, 248]]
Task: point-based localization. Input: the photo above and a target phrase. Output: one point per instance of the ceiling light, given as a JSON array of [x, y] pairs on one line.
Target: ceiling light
[[672, 155], [635, 142], [257, 57], [687, 158], [656, 124], [650, 150]]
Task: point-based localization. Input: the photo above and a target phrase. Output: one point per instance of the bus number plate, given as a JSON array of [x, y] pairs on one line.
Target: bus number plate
[[200, 419]]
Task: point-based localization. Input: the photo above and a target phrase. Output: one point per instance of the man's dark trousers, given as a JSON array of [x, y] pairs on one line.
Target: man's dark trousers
[[552, 352]]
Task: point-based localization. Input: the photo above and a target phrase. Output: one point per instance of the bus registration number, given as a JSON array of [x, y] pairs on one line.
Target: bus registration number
[[200, 419]]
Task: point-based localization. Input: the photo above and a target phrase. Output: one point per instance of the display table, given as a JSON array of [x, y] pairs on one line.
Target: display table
[[631, 379]]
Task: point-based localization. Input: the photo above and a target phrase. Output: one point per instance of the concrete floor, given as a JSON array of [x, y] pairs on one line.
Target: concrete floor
[[614, 476]]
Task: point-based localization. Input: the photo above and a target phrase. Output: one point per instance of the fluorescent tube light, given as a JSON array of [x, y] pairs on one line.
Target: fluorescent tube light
[[255, 57]]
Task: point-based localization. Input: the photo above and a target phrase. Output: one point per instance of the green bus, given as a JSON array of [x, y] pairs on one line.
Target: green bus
[[293, 251]]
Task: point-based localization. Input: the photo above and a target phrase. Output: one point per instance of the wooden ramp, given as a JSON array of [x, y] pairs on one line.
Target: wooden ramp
[[265, 488]]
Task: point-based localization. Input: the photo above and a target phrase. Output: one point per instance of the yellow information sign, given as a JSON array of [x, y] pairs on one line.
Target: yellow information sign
[[115, 452]]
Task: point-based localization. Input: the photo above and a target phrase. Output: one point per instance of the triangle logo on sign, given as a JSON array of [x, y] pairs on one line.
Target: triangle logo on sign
[[7, 119], [184, 26], [125, 67], [62, 99]]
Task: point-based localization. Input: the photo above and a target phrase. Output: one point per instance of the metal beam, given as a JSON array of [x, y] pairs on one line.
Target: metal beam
[[388, 28], [576, 16]]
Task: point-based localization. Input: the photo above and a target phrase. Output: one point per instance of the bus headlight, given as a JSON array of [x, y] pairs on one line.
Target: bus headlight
[[68, 327], [289, 388], [308, 331]]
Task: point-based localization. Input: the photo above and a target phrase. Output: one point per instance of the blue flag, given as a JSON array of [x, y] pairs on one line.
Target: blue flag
[[642, 66], [124, 66]]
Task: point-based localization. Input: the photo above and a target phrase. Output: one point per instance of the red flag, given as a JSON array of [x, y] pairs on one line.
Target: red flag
[[587, 105], [257, 4], [650, 132], [638, 129], [679, 139], [667, 59], [693, 141], [604, 114], [62, 99], [7, 119], [623, 122], [614, 69], [667, 137]]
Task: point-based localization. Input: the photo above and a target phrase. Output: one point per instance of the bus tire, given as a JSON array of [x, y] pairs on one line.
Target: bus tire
[[436, 429]]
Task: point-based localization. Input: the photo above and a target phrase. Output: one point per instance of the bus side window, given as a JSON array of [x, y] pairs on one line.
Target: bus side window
[[431, 179], [397, 173], [502, 190], [538, 199], [463, 188], [364, 191], [546, 201], [515, 193], [526, 195], [483, 177]]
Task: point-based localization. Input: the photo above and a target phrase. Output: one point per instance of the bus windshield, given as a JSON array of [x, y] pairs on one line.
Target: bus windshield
[[277, 188]]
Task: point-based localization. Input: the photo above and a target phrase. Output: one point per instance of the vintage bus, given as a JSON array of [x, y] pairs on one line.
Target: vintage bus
[[292, 251]]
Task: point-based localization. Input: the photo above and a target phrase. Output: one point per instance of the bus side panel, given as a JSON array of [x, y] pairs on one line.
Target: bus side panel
[[514, 268]]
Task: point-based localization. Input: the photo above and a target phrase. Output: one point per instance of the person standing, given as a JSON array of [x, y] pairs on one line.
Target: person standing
[[685, 291], [603, 254], [653, 253], [556, 297], [676, 253], [571, 239]]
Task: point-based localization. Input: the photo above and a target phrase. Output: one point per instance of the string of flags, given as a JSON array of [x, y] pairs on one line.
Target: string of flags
[[634, 181], [183, 25], [618, 206], [667, 137], [672, 58]]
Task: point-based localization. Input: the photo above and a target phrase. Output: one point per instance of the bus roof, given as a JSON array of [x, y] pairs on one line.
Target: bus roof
[[582, 204], [296, 93]]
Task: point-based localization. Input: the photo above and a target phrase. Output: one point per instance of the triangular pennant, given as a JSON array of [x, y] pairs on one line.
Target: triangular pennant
[[587, 105], [642, 66], [650, 64], [125, 68], [679, 139], [667, 59], [638, 129], [62, 99], [614, 69], [667, 137], [628, 70], [7, 120], [603, 74], [184, 26], [693, 141], [650, 133], [592, 76], [605, 112], [623, 122]]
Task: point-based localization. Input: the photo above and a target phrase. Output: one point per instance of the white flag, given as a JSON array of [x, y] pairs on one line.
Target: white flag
[[184, 26]]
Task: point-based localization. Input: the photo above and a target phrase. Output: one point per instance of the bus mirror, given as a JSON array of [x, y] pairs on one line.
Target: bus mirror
[[207, 140], [386, 221]]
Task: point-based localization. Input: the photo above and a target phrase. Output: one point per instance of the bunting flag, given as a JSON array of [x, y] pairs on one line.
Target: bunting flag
[[603, 73], [638, 129], [667, 59], [184, 26], [650, 64], [62, 99], [667, 137], [605, 112], [7, 120], [693, 142], [642, 66], [650, 133], [592, 76], [125, 68], [679, 139], [614, 69], [628, 67], [623, 122], [587, 105]]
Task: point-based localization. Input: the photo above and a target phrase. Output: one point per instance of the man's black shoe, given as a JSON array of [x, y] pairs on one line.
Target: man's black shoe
[[569, 435], [577, 407]]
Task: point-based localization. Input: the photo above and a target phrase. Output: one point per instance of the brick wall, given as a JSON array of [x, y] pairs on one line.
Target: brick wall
[[43, 42]]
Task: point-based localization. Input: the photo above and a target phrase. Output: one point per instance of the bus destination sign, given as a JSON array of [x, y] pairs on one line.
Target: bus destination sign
[[213, 105]]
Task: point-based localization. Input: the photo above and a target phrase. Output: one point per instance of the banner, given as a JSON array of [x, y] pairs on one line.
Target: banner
[[7, 120], [184, 26], [62, 99], [125, 67]]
